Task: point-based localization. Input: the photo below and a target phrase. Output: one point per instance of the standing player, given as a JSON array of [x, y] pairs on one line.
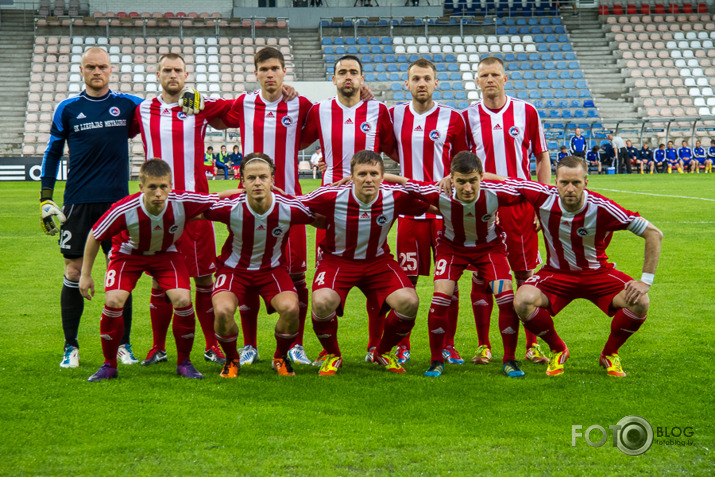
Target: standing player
[[428, 135], [578, 226], [95, 126], [345, 125], [253, 260], [577, 144], [671, 158], [504, 132], [685, 154], [356, 254], [470, 237], [143, 228], [272, 124], [169, 134]]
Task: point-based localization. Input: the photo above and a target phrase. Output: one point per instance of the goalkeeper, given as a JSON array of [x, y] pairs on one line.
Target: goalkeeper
[[95, 125]]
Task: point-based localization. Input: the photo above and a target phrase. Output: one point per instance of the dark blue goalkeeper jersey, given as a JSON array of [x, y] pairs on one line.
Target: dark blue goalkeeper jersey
[[577, 144], [96, 131]]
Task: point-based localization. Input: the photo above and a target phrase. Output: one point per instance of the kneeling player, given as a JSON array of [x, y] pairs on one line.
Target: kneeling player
[[253, 260], [356, 254], [578, 226], [469, 237], [144, 227]]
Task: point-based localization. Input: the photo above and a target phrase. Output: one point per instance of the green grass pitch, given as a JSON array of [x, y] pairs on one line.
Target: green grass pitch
[[364, 421]]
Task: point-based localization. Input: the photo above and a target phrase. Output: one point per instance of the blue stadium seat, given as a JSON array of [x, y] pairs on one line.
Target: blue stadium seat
[[396, 87], [521, 21], [512, 30], [439, 67], [338, 41], [565, 74], [521, 57], [589, 104], [458, 85], [518, 85], [535, 30], [532, 21], [538, 104], [516, 75], [573, 65], [403, 67], [579, 113], [531, 85], [528, 75], [538, 39], [554, 47], [462, 105], [382, 77], [366, 59], [524, 30], [362, 41], [552, 75], [549, 65], [460, 95], [395, 77], [501, 31], [522, 95], [542, 47], [350, 41], [537, 65], [340, 50], [563, 104], [556, 21], [449, 58], [547, 29], [544, 21], [330, 58], [412, 58], [402, 59], [403, 76], [556, 84], [329, 50], [543, 84], [452, 67], [437, 58], [554, 113], [380, 68], [509, 21], [581, 84], [378, 59], [563, 39], [559, 94], [508, 57], [442, 77], [547, 94], [330, 69], [373, 40], [550, 104], [561, 65], [426, 56], [455, 77], [392, 68], [535, 94], [575, 103], [364, 50], [390, 59], [584, 93], [352, 50], [559, 29], [398, 96], [386, 40], [447, 95], [578, 74], [551, 39], [375, 50], [591, 113], [525, 66], [566, 113], [437, 96], [388, 49], [569, 84], [369, 77], [445, 86], [571, 93], [545, 57], [534, 57], [451, 104], [569, 55]]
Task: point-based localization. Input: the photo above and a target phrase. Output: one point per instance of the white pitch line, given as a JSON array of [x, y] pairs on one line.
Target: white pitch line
[[657, 195]]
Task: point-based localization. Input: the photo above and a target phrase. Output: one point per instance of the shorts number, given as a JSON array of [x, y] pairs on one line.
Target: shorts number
[[408, 261], [220, 280], [66, 236], [440, 267], [320, 278], [109, 278]]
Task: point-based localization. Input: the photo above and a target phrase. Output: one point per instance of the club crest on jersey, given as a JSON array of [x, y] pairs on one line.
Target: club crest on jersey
[[486, 217], [381, 220], [513, 131], [365, 127], [181, 115], [434, 135], [114, 111], [173, 229], [277, 232], [286, 121], [582, 231]]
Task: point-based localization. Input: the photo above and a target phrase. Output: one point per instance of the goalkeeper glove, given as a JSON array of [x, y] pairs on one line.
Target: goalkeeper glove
[[191, 101], [48, 211]]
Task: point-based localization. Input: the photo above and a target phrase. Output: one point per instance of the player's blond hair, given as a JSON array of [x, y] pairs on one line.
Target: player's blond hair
[[154, 168]]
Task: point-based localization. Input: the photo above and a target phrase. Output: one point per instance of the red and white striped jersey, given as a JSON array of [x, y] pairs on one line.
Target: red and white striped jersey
[[577, 241], [178, 138], [504, 140], [468, 224], [273, 129], [358, 230], [344, 131], [426, 143], [257, 241], [134, 231]]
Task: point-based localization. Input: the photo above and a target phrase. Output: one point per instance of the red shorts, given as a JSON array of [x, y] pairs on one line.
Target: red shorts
[[268, 283], [522, 242], [489, 261], [167, 268], [416, 241], [297, 249], [377, 278], [209, 169], [198, 246], [598, 287]]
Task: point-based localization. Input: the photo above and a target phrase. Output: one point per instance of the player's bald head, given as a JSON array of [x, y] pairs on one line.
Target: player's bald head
[[94, 54]]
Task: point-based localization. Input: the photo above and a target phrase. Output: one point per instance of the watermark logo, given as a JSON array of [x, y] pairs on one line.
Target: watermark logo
[[632, 435]]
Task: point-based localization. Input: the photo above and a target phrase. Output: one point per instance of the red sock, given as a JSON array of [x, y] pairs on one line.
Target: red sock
[[111, 328], [205, 314], [303, 301], [530, 337], [284, 341], [249, 319], [508, 323], [160, 311], [623, 325], [437, 325], [482, 305], [327, 332], [184, 327], [228, 344], [396, 327], [452, 317], [376, 324], [542, 325]]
